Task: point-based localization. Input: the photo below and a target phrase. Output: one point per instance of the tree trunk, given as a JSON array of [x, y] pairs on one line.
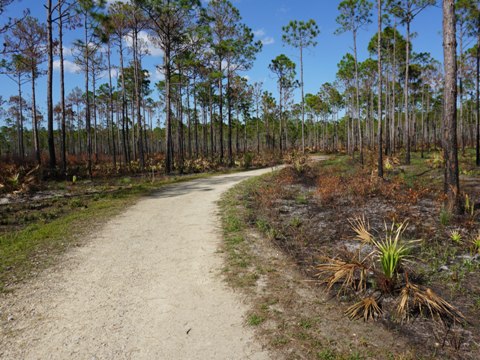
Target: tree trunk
[[51, 141], [21, 146], [138, 95], [407, 120], [357, 95], [477, 80], [452, 184], [379, 50], [220, 111], [87, 102], [303, 100], [62, 89], [36, 141], [110, 102], [229, 115]]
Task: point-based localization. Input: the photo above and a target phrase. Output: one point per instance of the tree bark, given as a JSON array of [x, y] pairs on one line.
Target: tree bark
[[62, 89], [51, 141], [379, 50], [407, 120], [452, 184]]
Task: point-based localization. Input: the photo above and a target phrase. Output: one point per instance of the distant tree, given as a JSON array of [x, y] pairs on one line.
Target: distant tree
[[284, 70], [473, 26], [406, 11], [240, 54], [301, 35], [17, 70], [50, 45], [118, 25], [355, 14], [379, 57], [90, 12], [29, 39], [65, 18], [170, 24]]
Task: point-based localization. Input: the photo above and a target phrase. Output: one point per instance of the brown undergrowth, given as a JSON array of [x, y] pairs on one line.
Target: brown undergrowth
[[306, 211]]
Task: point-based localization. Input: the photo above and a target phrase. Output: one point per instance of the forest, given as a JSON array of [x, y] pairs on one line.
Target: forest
[[118, 122], [379, 198]]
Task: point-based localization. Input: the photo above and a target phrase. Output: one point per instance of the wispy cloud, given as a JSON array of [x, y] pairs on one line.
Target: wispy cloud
[[146, 43], [259, 33], [69, 66], [268, 40]]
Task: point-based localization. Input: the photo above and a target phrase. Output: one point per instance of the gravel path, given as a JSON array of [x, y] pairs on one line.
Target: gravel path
[[147, 286]]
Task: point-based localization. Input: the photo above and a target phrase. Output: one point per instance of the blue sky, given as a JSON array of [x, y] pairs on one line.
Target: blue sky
[[266, 18]]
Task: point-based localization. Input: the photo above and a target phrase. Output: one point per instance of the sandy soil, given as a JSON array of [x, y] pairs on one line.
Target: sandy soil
[[147, 286]]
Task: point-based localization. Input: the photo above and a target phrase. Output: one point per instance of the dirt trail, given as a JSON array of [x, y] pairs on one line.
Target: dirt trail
[[147, 286]]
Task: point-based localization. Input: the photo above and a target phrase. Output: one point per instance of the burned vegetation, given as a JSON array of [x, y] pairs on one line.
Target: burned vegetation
[[386, 249]]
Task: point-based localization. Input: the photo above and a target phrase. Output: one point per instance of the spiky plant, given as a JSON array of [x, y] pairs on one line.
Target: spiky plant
[[351, 275], [476, 243], [367, 308], [391, 251], [456, 236]]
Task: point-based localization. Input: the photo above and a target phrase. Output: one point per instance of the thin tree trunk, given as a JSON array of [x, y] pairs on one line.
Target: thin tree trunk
[[87, 101], [62, 89], [138, 95], [407, 120], [126, 153], [51, 141], [379, 50], [34, 121], [303, 100], [21, 146], [220, 111], [357, 95], [168, 125], [110, 100]]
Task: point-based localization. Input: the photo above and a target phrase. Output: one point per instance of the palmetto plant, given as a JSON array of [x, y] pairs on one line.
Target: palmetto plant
[[476, 243], [392, 251], [456, 236]]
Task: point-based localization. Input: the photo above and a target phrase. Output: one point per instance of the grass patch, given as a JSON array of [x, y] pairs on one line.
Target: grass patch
[[50, 230], [254, 320]]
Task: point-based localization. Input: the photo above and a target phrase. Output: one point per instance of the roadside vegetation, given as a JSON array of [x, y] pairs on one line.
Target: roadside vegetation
[[378, 252], [40, 219]]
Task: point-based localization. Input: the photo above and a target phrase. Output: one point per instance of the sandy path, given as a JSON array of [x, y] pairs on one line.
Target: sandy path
[[146, 287]]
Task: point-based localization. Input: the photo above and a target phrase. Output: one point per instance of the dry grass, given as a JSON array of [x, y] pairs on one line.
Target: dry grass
[[351, 274], [367, 308], [413, 298]]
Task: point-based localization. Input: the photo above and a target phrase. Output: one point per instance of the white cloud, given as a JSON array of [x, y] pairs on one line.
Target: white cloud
[[268, 40], [113, 72], [146, 43], [69, 66], [158, 75], [259, 32]]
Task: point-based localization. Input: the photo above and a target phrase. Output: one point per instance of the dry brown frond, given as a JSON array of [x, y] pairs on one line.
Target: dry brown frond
[[367, 308], [362, 229], [413, 297], [351, 275]]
